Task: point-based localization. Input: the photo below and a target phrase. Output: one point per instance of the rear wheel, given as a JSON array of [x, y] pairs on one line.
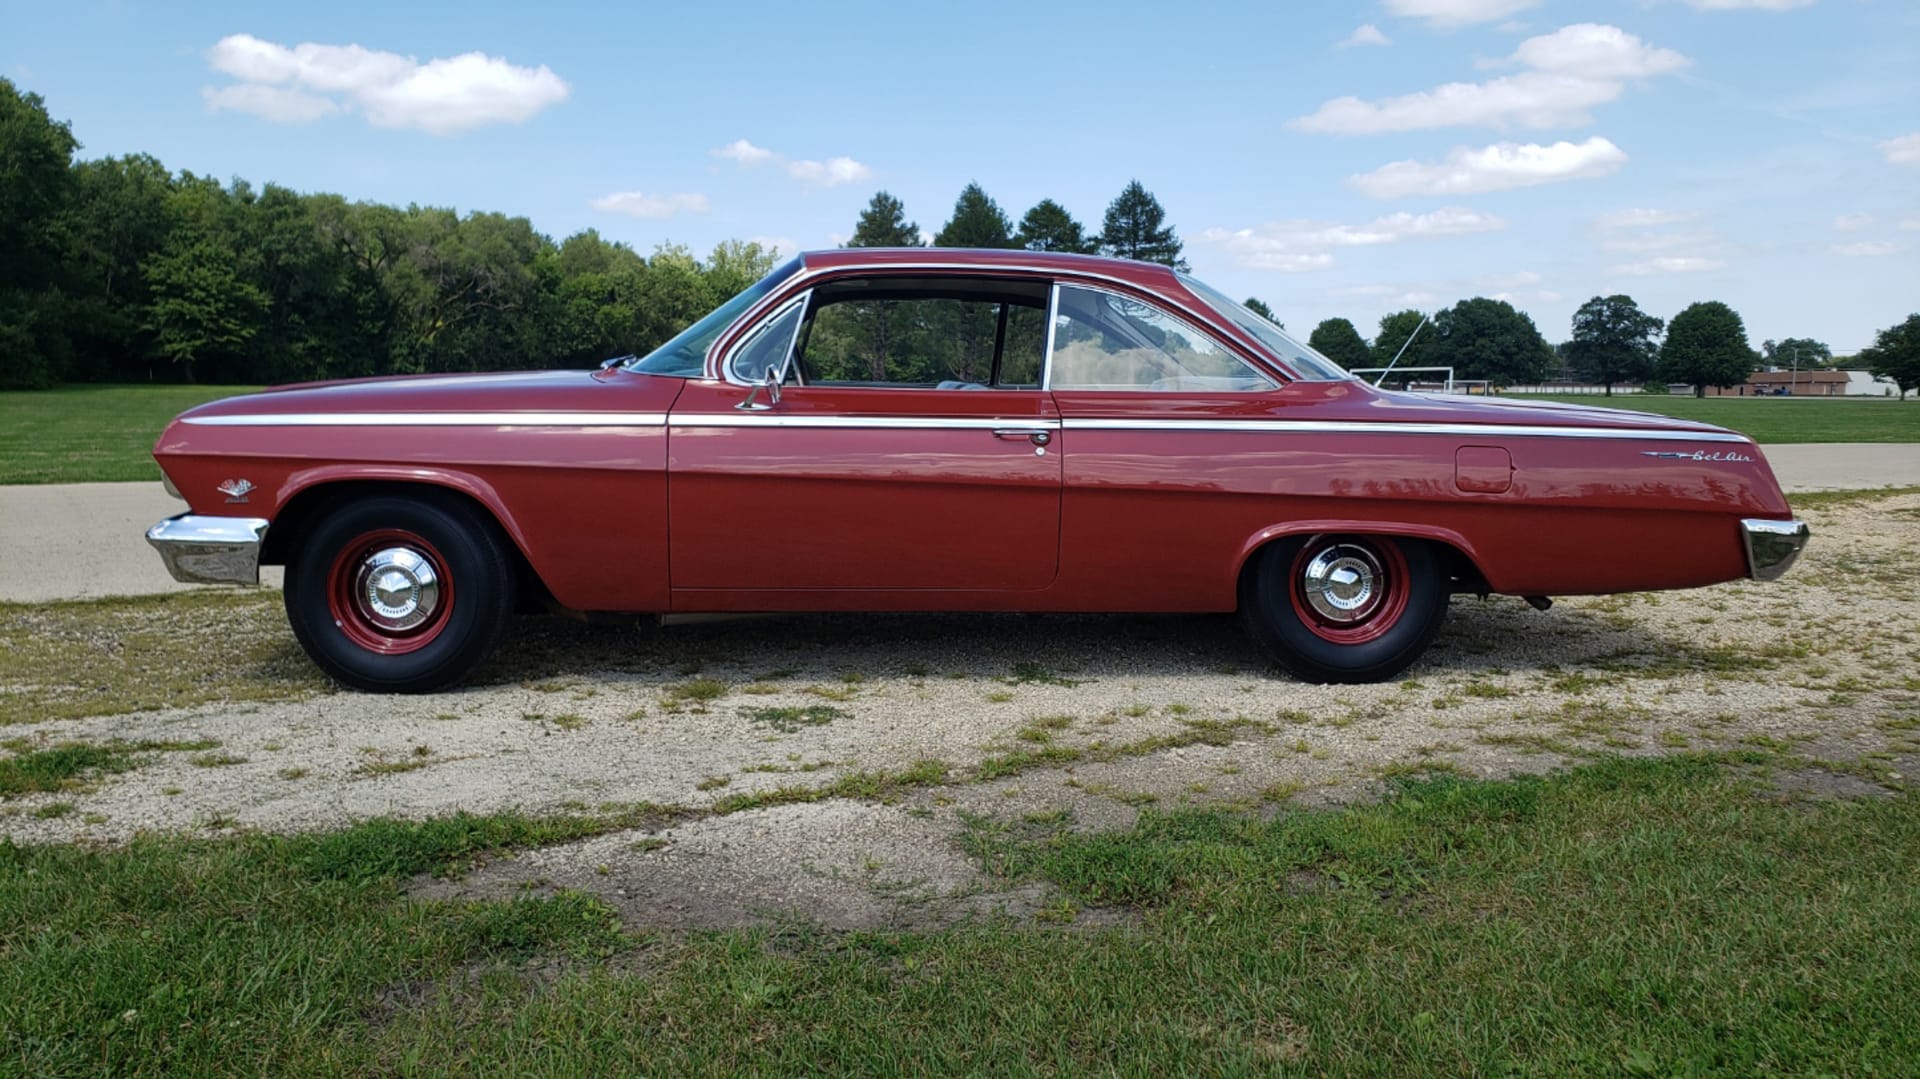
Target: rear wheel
[[399, 595], [1344, 608]]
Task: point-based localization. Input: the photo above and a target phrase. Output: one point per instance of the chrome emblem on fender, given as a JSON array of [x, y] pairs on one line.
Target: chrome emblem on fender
[[1695, 455], [235, 490]]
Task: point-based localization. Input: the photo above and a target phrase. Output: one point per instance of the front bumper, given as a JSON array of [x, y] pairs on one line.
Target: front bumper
[[1772, 545], [210, 550]]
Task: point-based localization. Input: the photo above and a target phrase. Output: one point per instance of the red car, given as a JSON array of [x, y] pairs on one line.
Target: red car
[[946, 430]]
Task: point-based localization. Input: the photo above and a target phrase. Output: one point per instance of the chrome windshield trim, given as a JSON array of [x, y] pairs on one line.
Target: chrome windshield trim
[[1375, 427], [799, 300], [210, 550], [433, 419], [766, 419]]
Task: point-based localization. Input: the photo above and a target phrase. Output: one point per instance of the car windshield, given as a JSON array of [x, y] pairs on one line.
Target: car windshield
[[1304, 360], [686, 355]]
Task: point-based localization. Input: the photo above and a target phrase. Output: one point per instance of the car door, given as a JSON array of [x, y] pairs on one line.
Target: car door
[[910, 448]]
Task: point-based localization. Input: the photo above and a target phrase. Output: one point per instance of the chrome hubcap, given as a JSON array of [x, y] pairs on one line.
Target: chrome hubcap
[[397, 588], [1342, 583]]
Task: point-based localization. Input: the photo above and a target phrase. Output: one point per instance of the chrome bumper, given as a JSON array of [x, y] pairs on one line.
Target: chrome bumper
[[210, 550], [1772, 546]]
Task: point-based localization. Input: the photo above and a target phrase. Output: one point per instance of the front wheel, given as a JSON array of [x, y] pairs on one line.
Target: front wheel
[[397, 595], [1344, 608]]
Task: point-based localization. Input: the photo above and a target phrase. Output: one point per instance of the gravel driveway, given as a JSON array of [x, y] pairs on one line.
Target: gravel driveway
[[825, 764]]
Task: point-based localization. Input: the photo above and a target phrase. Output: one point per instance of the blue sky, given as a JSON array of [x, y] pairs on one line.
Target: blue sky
[[1332, 159]]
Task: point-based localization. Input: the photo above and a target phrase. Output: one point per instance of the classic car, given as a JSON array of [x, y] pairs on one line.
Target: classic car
[[946, 430]]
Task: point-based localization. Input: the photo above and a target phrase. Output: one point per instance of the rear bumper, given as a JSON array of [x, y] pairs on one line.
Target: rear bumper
[[210, 550], [1772, 545]]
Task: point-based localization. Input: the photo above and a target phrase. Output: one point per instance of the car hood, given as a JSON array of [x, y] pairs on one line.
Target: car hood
[[519, 391]]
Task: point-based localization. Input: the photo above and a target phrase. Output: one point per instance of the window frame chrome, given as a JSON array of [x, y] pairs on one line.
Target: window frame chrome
[[747, 337], [1053, 305]]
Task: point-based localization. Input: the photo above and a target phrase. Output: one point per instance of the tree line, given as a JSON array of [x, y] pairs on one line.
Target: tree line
[[117, 269]]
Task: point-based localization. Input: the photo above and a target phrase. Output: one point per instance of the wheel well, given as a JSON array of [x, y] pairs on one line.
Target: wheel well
[[1460, 569], [312, 505]]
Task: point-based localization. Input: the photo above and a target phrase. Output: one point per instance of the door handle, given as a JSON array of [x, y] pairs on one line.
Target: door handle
[[1039, 436]]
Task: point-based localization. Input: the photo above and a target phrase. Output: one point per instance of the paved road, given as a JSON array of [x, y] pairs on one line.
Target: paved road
[[81, 540]]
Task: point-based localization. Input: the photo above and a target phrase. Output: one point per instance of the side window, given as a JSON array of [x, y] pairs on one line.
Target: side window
[[768, 344], [922, 334], [1104, 341]]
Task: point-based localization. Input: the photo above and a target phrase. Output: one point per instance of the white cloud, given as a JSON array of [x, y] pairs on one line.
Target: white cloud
[[1595, 51], [780, 246], [1522, 279], [1570, 71], [1911, 224], [441, 96], [1362, 291], [1451, 13], [1499, 167], [1753, 5], [1298, 246], [1640, 218], [1904, 150], [651, 207], [830, 173], [275, 103], [1852, 222], [1868, 248], [1366, 34], [746, 153], [1641, 243], [1669, 264]]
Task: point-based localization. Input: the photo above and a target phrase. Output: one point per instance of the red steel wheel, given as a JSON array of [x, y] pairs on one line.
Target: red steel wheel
[[390, 591], [1349, 589]]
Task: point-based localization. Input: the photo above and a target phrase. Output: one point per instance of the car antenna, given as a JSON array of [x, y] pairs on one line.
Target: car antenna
[[1424, 319]]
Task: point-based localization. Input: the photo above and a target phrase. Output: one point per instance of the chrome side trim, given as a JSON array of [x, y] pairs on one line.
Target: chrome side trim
[[1375, 427], [434, 419], [210, 550], [774, 419], [1772, 546]]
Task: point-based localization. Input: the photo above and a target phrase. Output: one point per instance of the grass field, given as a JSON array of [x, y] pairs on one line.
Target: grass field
[[85, 434], [1632, 917], [1776, 419]]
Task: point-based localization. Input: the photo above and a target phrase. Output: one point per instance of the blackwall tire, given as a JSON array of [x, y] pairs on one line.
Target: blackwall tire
[[1344, 608], [400, 595]]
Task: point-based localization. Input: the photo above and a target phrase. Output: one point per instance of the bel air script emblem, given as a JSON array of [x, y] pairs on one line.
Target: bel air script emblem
[[235, 490], [1696, 455]]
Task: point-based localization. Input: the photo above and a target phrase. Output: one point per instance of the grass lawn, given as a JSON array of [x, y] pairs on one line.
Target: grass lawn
[[1631, 917], [82, 434], [1775, 419]]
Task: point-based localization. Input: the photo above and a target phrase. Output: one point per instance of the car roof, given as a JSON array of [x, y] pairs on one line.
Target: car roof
[[1144, 274]]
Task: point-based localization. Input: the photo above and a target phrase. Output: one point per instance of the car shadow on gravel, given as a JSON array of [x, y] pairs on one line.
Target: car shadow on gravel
[[1500, 633]]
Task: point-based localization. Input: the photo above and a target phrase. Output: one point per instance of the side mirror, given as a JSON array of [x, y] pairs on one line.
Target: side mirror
[[769, 382]]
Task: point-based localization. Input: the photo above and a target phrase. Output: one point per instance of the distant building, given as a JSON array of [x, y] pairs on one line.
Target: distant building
[[1810, 383]]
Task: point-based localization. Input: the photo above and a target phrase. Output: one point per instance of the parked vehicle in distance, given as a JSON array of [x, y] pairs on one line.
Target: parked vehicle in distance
[[946, 430]]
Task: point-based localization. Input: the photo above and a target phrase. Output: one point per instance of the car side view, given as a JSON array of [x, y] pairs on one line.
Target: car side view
[[946, 430]]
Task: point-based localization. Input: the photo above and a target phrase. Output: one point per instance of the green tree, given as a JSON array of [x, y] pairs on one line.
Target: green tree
[[1803, 353], [884, 224], [1707, 346], [1490, 339], [1259, 307], [1614, 341], [1136, 228], [1395, 331], [1895, 354], [35, 186], [1049, 227], [1337, 340], [977, 221]]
